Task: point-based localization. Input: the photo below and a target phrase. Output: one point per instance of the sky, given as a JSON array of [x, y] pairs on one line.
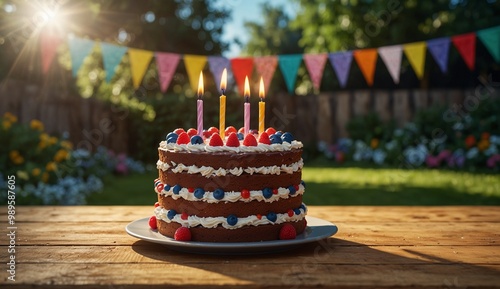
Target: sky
[[247, 10]]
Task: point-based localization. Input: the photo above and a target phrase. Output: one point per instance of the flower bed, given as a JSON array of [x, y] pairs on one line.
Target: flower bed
[[437, 138], [48, 170]]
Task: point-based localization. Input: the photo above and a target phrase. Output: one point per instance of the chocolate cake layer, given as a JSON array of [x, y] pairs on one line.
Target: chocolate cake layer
[[239, 208], [230, 182], [220, 234], [229, 160]]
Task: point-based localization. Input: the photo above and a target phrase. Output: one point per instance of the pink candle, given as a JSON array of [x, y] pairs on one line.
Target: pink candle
[[247, 117], [247, 106], [200, 105], [200, 117]]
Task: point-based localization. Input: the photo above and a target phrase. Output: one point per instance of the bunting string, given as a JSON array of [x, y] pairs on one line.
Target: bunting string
[[265, 66]]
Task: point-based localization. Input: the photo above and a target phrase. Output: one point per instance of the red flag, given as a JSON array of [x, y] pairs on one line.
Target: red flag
[[242, 67], [466, 46], [49, 43]]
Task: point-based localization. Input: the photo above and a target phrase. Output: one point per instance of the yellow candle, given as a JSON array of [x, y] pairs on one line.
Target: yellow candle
[[222, 110], [262, 107]]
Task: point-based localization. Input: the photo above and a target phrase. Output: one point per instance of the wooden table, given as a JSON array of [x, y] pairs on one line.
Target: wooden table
[[445, 247]]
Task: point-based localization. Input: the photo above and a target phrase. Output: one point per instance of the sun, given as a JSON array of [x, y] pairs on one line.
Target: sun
[[47, 15]]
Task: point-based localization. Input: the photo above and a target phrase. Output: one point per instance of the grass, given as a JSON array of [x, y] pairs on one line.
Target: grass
[[328, 185]]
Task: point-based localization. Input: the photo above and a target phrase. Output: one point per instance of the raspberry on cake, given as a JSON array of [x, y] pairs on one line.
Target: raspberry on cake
[[232, 189]]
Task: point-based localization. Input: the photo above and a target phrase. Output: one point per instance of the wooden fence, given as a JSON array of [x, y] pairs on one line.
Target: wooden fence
[[311, 118]]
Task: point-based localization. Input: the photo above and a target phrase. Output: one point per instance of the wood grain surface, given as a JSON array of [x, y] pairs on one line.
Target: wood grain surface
[[376, 247]]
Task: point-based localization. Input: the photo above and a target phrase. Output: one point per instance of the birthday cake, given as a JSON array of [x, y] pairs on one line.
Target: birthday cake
[[229, 189]]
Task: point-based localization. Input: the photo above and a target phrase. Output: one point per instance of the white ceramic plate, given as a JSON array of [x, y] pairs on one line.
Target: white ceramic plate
[[317, 229]]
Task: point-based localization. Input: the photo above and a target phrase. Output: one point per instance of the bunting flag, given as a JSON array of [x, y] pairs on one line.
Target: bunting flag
[[217, 65], [415, 52], [166, 64], [289, 65], [111, 56], [242, 67], [466, 46], [194, 64], [48, 48], [439, 49], [315, 64], [391, 55], [265, 67], [367, 60], [491, 40], [79, 49], [139, 62], [341, 63]]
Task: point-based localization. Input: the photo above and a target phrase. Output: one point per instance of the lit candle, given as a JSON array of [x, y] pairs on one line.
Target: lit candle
[[200, 105], [262, 106], [247, 106], [222, 113]]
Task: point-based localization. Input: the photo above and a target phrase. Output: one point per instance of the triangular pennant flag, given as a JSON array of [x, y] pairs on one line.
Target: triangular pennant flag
[[217, 65], [242, 67], [466, 46], [439, 49], [391, 55], [139, 62], [265, 67], [415, 52], [491, 39], [289, 65], [166, 64], [111, 56], [367, 60], [49, 43], [341, 63], [194, 65], [79, 49], [315, 64]]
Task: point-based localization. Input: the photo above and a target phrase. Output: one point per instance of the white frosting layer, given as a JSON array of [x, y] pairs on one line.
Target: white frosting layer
[[285, 146], [213, 222], [283, 193], [219, 172]]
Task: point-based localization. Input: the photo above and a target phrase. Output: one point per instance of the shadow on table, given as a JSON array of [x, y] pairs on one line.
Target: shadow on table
[[333, 262]]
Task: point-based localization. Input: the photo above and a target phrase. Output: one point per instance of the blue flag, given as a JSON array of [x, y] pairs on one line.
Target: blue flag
[[217, 65], [289, 65], [439, 49], [79, 48], [111, 56]]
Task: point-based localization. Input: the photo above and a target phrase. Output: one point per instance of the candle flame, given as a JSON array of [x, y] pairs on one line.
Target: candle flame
[[200, 85], [247, 88], [223, 80], [262, 93]]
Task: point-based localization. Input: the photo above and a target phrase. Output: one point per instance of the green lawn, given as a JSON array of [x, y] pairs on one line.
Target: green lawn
[[346, 186]]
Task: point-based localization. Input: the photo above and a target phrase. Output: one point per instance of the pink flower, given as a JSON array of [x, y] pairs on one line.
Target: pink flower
[[339, 157], [444, 155], [493, 160], [121, 168], [432, 161]]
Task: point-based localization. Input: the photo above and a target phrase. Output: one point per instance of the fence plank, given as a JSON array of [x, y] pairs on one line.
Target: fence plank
[[382, 105], [420, 99], [324, 128], [342, 113], [437, 97], [401, 108], [362, 99]]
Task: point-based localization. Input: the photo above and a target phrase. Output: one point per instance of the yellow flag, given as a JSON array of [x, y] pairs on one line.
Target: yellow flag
[[139, 62], [415, 52], [194, 64]]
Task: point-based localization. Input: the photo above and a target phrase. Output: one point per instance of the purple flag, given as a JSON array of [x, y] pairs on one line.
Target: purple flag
[[439, 49], [341, 62], [217, 65]]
